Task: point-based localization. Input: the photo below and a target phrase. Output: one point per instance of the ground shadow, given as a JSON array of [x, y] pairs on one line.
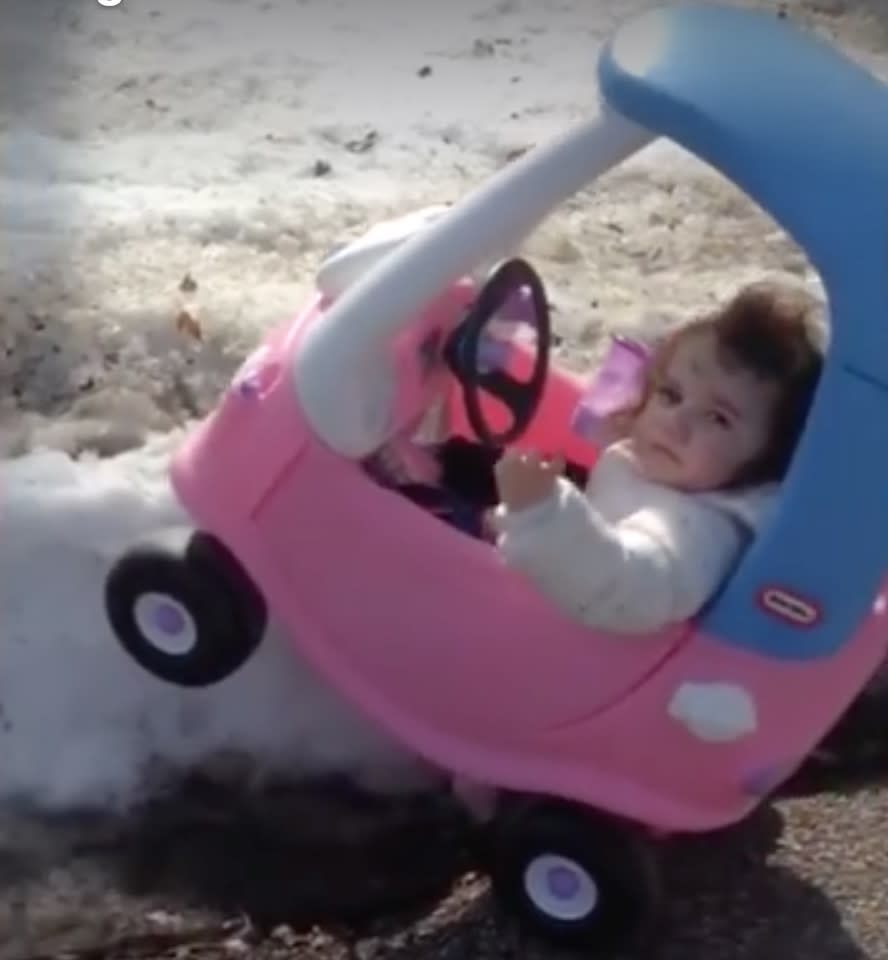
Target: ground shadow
[[853, 755], [390, 874], [724, 902], [296, 855], [329, 855]]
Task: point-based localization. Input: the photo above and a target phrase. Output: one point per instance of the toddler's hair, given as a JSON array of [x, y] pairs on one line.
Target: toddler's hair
[[771, 330]]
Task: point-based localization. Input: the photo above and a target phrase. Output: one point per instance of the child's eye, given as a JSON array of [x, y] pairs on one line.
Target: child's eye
[[719, 419], [668, 393]]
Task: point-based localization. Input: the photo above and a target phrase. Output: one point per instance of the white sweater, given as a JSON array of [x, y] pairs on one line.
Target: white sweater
[[629, 556]]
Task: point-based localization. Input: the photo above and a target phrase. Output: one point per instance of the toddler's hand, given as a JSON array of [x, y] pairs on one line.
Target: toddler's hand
[[525, 479]]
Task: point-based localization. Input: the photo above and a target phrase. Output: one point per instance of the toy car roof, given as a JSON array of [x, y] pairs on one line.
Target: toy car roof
[[794, 123]]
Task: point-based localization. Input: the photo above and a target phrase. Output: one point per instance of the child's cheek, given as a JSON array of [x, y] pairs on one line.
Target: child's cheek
[[721, 459]]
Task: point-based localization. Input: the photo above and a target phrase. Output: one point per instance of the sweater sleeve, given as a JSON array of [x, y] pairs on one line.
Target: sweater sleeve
[[659, 565]]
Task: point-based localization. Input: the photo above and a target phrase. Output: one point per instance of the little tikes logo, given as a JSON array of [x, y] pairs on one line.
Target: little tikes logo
[[789, 606]]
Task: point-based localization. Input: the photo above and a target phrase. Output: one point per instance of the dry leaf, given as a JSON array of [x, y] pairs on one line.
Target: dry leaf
[[365, 143], [185, 323]]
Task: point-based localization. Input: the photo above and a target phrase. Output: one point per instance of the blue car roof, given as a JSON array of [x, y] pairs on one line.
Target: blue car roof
[[803, 131], [793, 122]]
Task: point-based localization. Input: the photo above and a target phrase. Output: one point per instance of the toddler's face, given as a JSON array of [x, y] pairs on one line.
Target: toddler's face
[[703, 420]]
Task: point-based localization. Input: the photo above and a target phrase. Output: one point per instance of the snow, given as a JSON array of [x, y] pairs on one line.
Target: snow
[[148, 141], [81, 723]]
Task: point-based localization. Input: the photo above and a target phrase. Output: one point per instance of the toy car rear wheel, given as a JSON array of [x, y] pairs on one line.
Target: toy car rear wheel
[[575, 878], [189, 616]]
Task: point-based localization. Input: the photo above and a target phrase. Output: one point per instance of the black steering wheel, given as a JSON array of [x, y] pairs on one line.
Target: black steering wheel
[[464, 354]]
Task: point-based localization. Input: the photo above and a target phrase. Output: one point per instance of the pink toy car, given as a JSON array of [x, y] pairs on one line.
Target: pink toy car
[[595, 746]]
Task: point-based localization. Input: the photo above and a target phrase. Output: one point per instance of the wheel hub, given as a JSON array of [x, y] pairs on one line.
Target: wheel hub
[[560, 888], [165, 623]]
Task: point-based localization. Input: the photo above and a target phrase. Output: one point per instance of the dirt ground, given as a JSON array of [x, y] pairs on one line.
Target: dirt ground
[[211, 871]]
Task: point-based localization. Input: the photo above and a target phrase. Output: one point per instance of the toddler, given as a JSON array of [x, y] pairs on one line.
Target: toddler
[[694, 466]]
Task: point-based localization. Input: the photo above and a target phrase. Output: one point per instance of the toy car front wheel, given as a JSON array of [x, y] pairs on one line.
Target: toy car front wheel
[[190, 615], [575, 878]]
